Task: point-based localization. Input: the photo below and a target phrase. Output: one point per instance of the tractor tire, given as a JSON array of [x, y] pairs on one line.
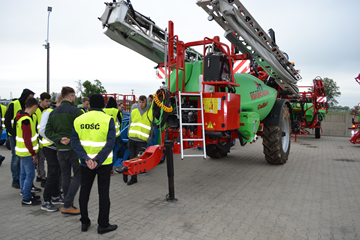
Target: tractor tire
[[318, 131], [277, 139], [8, 144], [214, 151]]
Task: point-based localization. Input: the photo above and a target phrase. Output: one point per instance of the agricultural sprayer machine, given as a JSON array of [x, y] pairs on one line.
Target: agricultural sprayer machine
[[355, 133], [203, 103], [310, 109]]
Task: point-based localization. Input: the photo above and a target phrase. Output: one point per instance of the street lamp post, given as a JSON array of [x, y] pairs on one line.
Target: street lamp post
[[47, 47]]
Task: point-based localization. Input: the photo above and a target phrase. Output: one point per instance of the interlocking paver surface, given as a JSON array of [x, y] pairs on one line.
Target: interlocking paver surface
[[315, 195]]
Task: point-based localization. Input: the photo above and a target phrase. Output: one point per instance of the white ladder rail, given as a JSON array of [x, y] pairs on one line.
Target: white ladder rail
[[182, 139]]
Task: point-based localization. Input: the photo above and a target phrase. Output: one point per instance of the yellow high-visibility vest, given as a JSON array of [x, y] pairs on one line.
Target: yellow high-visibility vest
[[17, 107], [140, 126], [93, 128], [113, 113], [2, 116], [20, 148]]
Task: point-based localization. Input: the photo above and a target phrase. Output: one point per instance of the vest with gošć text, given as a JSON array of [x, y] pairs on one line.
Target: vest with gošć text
[[140, 126], [43, 141], [20, 148], [17, 107], [113, 113], [93, 128], [2, 116]]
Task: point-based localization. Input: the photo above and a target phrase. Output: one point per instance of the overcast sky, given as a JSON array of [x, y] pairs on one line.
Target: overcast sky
[[321, 37]]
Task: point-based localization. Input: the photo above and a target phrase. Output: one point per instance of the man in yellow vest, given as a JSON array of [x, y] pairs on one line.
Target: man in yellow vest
[[140, 129], [26, 148], [44, 104], [93, 140], [2, 126], [112, 110], [12, 109]]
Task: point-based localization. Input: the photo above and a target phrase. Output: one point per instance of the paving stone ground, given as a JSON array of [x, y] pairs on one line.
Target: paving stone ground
[[314, 196]]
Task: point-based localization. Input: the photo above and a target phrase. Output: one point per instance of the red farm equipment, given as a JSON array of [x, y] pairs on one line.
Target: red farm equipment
[[310, 109], [355, 133], [128, 100], [203, 103]]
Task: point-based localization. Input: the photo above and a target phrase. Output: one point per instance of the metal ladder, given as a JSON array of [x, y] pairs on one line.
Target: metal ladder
[[182, 139]]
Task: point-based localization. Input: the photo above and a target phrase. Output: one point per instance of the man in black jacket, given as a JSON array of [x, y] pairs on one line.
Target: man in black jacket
[[13, 108]]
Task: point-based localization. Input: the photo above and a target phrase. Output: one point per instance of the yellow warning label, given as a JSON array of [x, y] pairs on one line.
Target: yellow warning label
[[211, 105], [210, 126]]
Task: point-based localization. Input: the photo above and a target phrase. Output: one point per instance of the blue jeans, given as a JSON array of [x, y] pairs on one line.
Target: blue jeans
[[27, 175], [15, 161]]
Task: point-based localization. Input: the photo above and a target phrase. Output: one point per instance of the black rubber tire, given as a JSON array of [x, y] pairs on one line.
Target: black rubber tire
[[318, 131], [8, 144], [273, 139], [214, 151]]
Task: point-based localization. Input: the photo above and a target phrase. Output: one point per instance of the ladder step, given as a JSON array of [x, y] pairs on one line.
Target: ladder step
[[193, 139], [190, 94], [197, 155], [182, 109], [192, 124]]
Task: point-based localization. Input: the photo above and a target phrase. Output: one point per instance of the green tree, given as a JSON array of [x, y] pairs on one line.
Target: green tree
[[332, 90], [79, 89], [53, 96], [90, 89]]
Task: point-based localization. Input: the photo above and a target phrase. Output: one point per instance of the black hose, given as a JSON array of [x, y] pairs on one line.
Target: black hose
[[303, 113], [241, 136]]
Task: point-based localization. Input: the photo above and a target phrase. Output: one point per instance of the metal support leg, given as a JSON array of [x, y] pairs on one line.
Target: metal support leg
[[170, 169]]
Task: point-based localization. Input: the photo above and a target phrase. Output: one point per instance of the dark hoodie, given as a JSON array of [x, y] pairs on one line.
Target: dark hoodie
[[10, 111], [26, 131], [112, 104]]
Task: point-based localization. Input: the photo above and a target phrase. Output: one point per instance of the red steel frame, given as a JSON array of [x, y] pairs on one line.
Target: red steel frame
[[317, 90], [128, 100], [153, 155], [355, 138]]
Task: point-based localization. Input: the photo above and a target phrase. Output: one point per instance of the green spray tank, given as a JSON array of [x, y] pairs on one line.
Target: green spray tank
[[257, 99]]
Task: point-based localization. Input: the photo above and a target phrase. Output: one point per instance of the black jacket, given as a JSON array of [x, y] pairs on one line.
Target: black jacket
[[10, 111]]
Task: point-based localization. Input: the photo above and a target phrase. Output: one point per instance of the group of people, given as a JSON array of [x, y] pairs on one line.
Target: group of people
[[71, 139]]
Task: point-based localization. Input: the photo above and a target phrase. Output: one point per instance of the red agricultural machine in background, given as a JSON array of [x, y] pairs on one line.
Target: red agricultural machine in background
[[128, 100], [310, 109], [355, 133]]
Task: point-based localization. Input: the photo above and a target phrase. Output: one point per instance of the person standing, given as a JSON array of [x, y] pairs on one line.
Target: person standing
[[140, 130], [58, 129], [150, 98], [2, 126], [12, 109], [52, 193], [85, 104], [44, 104], [93, 139], [26, 148], [112, 110]]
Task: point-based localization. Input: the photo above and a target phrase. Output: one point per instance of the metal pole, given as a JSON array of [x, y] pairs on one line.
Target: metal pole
[[48, 69], [170, 169], [47, 47]]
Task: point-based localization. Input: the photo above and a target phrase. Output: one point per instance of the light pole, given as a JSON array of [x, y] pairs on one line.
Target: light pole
[[47, 47]]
